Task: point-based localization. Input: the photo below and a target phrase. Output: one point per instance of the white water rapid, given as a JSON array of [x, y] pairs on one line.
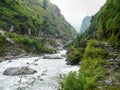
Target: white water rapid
[[49, 72]]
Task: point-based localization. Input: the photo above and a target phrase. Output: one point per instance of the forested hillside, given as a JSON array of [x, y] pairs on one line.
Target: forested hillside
[[97, 51]]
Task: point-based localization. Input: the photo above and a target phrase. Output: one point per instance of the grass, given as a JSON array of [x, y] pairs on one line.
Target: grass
[[92, 69]]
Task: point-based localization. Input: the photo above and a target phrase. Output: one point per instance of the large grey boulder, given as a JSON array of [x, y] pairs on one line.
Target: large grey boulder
[[13, 71]]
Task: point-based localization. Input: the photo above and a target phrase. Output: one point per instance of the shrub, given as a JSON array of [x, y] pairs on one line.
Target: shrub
[[74, 55], [72, 82]]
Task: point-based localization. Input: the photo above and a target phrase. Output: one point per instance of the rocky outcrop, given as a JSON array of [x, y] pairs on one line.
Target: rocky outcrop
[[85, 24], [13, 71]]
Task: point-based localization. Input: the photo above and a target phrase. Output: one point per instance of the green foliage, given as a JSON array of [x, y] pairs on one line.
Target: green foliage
[[2, 42], [72, 82], [76, 50], [2, 38], [2, 49], [31, 15], [94, 49], [105, 25], [30, 44], [91, 69], [74, 55]]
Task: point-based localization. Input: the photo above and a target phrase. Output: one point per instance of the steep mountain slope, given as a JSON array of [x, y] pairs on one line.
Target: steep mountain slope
[[33, 25], [36, 18], [105, 24], [85, 24], [100, 48]]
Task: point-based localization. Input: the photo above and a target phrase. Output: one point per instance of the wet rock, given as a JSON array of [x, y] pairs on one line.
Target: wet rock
[[27, 63], [35, 64], [7, 58], [41, 79], [43, 74], [52, 57], [10, 61], [64, 55], [13, 71]]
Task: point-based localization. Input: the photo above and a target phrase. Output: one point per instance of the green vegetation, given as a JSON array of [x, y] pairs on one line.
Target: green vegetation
[[105, 24], [75, 55], [30, 44], [2, 42], [92, 69], [104, 28], [33, 23], [2, 38], [75, 51], [36, 18]]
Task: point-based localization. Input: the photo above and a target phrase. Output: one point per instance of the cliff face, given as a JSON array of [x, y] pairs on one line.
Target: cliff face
[[85, 24]]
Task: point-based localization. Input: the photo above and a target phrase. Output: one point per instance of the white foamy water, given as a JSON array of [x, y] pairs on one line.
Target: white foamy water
[[47, 77]]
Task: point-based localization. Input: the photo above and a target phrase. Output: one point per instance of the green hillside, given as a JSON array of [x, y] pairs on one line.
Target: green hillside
[[97, 51], [105, 24], [34, 22], [34, 17]]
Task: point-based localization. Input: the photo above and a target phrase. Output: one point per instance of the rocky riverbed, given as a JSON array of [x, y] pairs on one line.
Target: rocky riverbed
[[48, 74]]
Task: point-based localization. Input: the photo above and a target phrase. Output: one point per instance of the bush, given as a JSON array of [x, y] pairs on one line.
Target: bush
[[72, 82], [74, 55]]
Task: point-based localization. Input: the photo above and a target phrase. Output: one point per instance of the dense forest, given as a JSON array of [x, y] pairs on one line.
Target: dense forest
[[97, 51]]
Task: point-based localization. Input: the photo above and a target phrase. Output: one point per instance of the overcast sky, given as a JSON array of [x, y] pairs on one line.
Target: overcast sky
[[75, 10]]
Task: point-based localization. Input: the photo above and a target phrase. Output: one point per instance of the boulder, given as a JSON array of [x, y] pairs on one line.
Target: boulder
[[13, 71], [64, 55], [52, 57]]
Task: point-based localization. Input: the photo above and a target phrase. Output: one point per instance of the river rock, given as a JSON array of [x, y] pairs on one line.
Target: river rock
[[12, 71], [64, 55], [52, 57]]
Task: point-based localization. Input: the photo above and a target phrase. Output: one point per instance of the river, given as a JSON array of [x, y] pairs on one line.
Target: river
[[49, 73]]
